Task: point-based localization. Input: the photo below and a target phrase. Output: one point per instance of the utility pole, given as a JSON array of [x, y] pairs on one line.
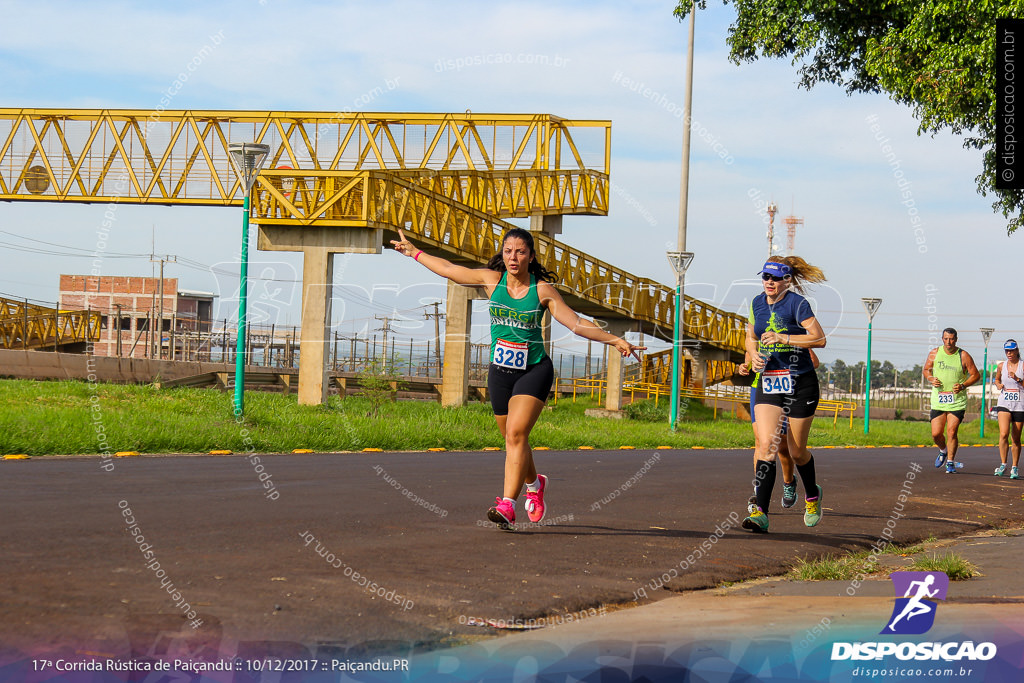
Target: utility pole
[[160, 288], [436, 315], [680, 259], [386, 328], [118, 328]]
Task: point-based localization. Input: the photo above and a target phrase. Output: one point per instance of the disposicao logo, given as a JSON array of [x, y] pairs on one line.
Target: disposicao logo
[[914, 614]]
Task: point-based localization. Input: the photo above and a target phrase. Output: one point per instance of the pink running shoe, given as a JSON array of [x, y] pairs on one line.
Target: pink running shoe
[[535, 501], [503, 514]]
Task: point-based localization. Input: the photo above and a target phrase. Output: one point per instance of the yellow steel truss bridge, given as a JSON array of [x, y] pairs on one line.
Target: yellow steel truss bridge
[[27, 326], [448, 180]]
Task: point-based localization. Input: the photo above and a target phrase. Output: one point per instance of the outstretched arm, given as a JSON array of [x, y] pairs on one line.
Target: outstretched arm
[[560, 311], [445, 268]]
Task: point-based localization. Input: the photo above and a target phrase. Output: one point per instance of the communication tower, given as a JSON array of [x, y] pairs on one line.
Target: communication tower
[[791, 224]]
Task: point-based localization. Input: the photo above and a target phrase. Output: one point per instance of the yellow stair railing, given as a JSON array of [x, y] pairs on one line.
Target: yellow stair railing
[[597, 388], [27, 326]]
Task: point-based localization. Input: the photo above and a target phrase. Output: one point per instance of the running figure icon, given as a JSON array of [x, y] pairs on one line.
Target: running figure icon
[[915, 606]]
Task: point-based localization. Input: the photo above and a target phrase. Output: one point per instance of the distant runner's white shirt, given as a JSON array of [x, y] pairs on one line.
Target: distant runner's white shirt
[[1012, 395]]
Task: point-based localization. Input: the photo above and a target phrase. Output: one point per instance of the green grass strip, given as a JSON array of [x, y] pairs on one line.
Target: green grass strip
[[71, 417], [850, 566]]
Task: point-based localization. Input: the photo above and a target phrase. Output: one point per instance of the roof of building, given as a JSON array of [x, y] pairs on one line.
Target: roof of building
[[196, 294]]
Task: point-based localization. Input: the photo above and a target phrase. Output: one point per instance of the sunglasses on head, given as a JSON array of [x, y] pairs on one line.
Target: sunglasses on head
[[766, 277]]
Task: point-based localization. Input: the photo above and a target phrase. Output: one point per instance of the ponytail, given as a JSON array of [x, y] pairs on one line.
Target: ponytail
[[800, 270]]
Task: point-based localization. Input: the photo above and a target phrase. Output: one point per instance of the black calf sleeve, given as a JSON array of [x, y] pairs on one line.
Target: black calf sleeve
[[807, 475], [764, 475]]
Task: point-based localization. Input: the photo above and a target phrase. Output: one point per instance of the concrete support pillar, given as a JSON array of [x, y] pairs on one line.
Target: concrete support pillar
[[615, 364], [700, 356], [698, 368], [318, 246], [550, 225], [317, 283], [455, 375]]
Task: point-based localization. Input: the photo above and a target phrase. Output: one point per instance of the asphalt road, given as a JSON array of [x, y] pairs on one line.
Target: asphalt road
[[391, 552]]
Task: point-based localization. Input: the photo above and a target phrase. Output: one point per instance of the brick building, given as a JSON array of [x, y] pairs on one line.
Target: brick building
[[132, 305]]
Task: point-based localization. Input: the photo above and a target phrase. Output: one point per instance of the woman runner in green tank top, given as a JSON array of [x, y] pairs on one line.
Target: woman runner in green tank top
[[520, 373], [517, 322]]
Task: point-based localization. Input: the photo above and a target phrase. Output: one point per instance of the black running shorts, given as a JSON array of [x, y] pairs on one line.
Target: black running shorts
[[799, 404], [1015, 415], [503, 383], [958, 414]]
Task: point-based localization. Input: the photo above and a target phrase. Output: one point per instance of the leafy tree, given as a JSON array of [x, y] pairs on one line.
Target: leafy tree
[[849, 377], [936, 56], [882, 374], [912, 378]]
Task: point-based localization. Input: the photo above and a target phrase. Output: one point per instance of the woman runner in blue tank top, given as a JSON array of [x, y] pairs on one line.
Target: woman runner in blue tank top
[[780, 334], [520, 373]]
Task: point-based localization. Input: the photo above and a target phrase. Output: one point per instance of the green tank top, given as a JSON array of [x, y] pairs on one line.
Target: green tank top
[[517, 331], [949, 369]]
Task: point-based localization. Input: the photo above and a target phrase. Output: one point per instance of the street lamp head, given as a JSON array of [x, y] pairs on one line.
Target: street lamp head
[[680, 261], [870, 305], [986, 333], [247, 158]]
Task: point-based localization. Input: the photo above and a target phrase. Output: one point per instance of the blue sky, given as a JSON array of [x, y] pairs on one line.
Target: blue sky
[[815, 153]]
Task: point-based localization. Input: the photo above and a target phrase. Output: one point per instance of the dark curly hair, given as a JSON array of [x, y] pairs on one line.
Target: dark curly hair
[[498, 263]]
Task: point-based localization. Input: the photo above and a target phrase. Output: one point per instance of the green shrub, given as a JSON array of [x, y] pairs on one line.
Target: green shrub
[[379, 384], [647, 411]]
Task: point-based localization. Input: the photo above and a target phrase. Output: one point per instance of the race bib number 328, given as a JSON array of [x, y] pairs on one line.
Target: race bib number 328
[[511, 355]]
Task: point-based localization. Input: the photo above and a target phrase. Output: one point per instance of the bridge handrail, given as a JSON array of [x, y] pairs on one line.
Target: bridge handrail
[[32, 326], [725, 393]]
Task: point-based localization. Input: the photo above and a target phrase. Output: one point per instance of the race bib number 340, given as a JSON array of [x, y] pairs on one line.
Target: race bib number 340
[[777, 382], [511, 355]]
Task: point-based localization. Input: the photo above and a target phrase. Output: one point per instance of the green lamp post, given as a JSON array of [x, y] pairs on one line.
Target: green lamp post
[[247, 159], [870, 305], [986, 334], [680, 261]]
